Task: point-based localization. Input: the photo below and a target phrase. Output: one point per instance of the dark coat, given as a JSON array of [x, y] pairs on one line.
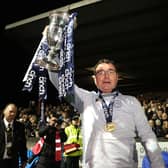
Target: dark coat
[[49, 145], [19, 149], [47, 154]]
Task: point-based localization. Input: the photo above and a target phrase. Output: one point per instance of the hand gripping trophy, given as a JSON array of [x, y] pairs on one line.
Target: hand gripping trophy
[[54, 36]]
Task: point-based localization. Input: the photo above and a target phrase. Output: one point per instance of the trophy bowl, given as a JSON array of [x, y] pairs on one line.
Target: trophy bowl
[[54, 36]]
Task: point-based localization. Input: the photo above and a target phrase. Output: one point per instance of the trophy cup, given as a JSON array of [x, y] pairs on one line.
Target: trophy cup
[[54, 36]]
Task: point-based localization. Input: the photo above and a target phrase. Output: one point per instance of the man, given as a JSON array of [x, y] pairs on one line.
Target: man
[[73, 132], [12, 139], [52, 137], [110, 121]]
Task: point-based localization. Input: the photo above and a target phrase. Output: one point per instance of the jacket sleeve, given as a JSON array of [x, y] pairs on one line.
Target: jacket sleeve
[[53, 76], [21, 142], [43, 131], [147, 136], [63, 135], [79, 93]]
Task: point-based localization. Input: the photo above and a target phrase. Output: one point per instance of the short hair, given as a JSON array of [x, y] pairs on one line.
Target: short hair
[[75, 117], [107, 61]]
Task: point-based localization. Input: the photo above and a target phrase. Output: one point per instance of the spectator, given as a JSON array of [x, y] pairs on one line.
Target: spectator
[[51, 152], [73, 132], [31, 125], [12, 139], [165, 129]]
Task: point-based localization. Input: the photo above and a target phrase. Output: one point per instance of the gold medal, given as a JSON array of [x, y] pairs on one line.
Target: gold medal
[[110, 127]]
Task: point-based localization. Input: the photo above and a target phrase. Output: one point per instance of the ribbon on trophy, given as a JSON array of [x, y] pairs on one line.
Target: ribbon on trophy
[[42, 80], [30, 80], [59, 36], [54, 53], [66, 72], [35, 71]]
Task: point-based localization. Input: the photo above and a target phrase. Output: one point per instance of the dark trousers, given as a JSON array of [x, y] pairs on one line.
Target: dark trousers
[[47, 163], [72, 162], [8, 163], [63, 162]]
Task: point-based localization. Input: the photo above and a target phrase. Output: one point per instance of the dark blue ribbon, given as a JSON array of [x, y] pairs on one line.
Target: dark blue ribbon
[[38, 71], [66, 63], [42, 80], [31, 78], [66, 73]]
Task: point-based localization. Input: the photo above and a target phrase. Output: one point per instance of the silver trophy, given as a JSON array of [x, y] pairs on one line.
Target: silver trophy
[[54, 35]]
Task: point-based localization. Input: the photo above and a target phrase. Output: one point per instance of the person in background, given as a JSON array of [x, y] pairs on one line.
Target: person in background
[[165, 128], [12, 139], [73, 132], [152, 124], [31, 125], [110, 121], [158, 128], [53, 136]]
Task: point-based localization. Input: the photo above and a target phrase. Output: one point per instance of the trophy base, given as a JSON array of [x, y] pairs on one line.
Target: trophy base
[[49, 65]]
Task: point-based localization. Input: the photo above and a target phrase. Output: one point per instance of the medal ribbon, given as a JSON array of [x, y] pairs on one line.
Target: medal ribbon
[[108, 109]]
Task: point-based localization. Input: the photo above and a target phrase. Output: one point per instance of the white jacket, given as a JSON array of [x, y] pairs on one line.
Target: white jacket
[[113, 149]]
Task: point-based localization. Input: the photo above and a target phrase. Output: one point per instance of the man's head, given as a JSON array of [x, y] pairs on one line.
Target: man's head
[[10, 112], [76, 120], [54, 121], [105, 75]]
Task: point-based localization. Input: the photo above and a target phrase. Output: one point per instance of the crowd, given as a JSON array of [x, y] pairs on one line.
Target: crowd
[[61, 125], [155, 109]]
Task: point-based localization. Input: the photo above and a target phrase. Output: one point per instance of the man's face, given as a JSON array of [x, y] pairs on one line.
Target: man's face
[[76, 122], [10, 112], [106, 77]]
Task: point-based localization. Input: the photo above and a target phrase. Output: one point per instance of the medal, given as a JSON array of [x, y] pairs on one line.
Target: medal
[[108, 112], [110, 127]]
